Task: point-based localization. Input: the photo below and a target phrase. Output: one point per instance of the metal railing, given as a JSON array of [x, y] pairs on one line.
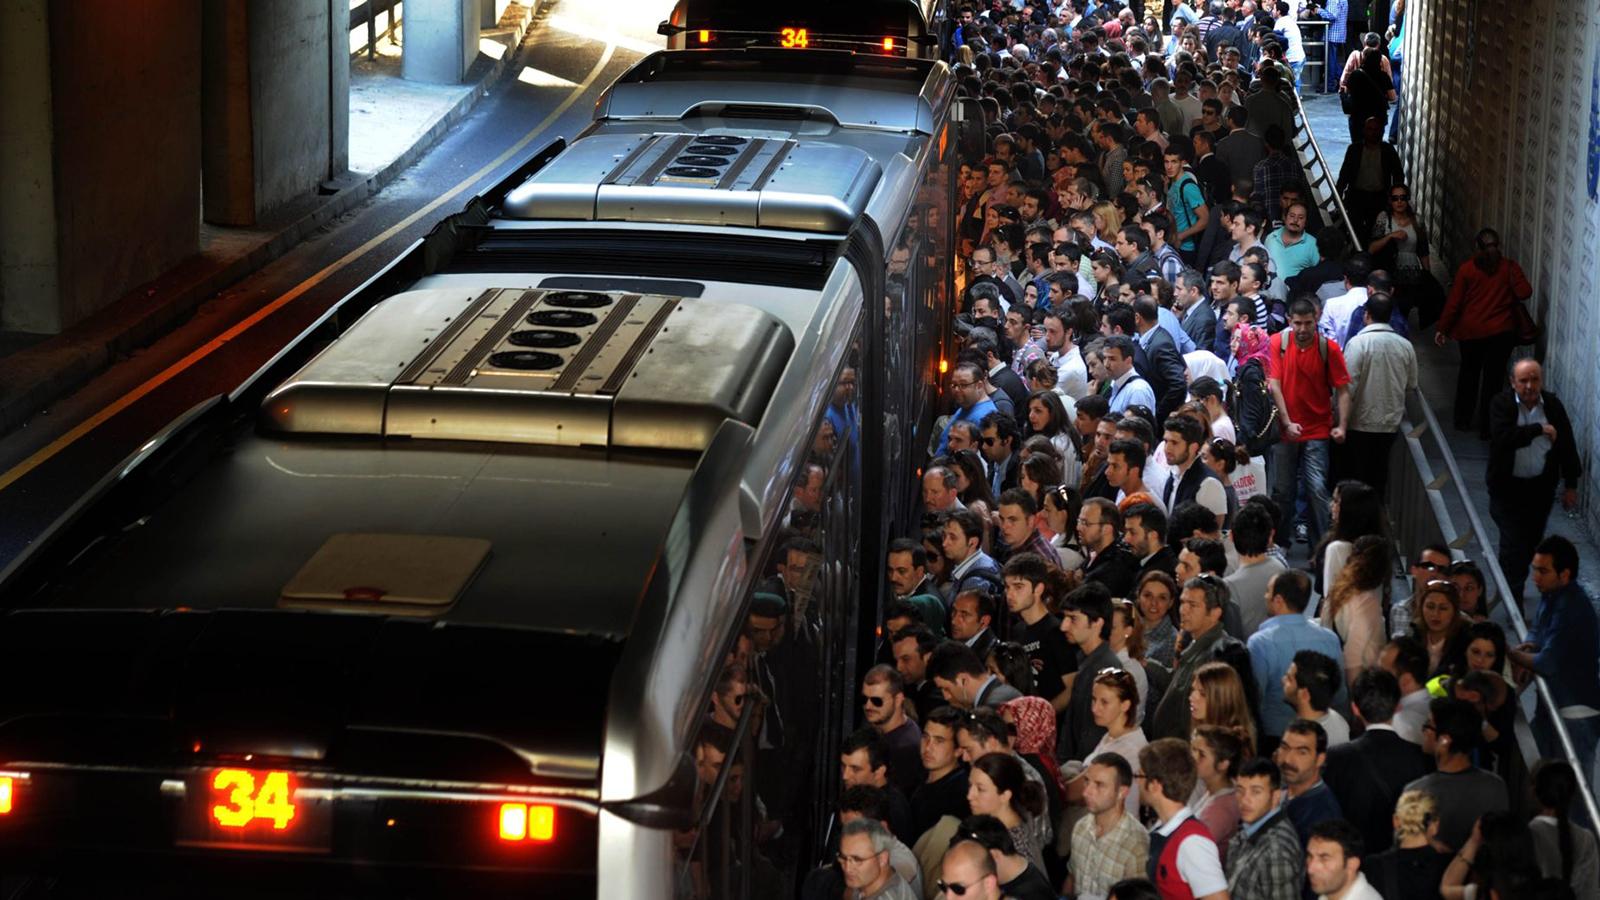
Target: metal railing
[[1419, 509], [366, 13]]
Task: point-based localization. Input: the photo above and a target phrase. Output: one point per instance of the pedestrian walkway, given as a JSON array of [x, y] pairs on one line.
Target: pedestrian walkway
[[1436, 372]]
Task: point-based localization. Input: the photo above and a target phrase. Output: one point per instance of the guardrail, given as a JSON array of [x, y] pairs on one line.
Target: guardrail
[[1420, 510], [366, 13]]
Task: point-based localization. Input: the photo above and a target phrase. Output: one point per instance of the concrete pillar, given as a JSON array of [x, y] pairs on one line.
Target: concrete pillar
[[28, 287], [276, 104], [492, 10], [125, 122], [441, 39]]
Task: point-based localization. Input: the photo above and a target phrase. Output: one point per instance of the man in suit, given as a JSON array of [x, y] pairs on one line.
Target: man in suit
[[1199, 319], [963, 680], [1368, 774], [1001, 376], [999, 449], [1200, 608], [1110, 561], [1240, 150], [1145, 530], [1531, 447], [1210, 169], [1162, 364]]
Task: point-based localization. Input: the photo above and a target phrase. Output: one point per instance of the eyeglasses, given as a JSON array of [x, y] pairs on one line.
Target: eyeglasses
[[852, 860], [990, 441], [954, 888], [873, 701], [961, 384]]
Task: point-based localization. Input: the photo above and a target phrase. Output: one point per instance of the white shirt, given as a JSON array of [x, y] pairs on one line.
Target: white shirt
[[1222, 427], [1072, 375], [1198, 863], [1336, 313], [1296, 51], [1412, 715], [1357, 890], [1335, 727], [1529, 461]]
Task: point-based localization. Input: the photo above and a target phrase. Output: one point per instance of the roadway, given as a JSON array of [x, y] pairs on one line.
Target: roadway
[[564, 64]]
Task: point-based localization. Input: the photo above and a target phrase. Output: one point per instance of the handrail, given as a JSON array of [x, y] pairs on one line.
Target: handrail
[[1433, 486], [1327, 173]]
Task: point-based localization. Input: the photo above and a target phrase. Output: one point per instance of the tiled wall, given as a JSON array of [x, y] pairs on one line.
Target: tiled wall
[[1508, 97]]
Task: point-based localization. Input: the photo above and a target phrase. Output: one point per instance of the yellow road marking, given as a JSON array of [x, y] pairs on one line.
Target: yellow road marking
[[61, 443]]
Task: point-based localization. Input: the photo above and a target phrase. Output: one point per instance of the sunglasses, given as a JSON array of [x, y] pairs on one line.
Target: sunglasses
[[1431, 567], [873, 701], [990, 441], [954, 888]]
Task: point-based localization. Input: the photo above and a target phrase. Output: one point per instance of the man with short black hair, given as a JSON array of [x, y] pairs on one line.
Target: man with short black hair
[[1562, 648], [1125, 462], [1304, 374], [1285, 633], [1265, 854], [909, 582], [1368, 774], [1308, 689], [962, 679], [969, 388], [911, 648], [1461, 791], [1016, 511], [1111, 563], [883, 705], [1407, 660], [943, 791], [1333, 858], [998, 444], [1027, 576], [864, 760], [1300, 756], [1252, 538], [962, 544], [1087, 623], [1189, 479], [1108, 845], [1128, 387], [971, 617], [1199, 318], [1145, 530]]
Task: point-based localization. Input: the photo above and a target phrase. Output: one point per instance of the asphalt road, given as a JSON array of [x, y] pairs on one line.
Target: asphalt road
[[564, 64]]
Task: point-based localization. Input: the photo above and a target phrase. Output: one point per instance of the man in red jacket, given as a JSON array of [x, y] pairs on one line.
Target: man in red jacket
[[1479, 314]]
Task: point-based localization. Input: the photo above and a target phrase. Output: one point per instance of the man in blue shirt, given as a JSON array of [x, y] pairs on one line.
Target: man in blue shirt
[[969, 387], [1286, 632], [1564, 649], [1128, 388]]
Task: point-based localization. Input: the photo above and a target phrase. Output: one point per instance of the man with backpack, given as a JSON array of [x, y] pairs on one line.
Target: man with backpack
[[1305, 372]]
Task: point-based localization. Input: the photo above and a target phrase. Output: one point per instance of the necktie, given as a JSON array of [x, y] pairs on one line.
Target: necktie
[[1166, 493]]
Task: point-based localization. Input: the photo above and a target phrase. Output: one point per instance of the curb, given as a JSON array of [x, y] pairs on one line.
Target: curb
[[35, 377]]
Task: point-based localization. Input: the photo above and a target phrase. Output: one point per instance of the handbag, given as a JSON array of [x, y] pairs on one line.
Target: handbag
[[1527, 330]]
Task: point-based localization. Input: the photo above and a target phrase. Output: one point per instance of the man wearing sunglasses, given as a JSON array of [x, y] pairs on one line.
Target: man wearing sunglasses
[[968, 872], [1428, 564], [883, 705]]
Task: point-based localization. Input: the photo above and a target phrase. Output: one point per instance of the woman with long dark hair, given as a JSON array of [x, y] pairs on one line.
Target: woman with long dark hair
[[1156, 595], [997, 787], [1047, 416], [1565, 851], [1354, 607], [1354, 510], [1399, 245]]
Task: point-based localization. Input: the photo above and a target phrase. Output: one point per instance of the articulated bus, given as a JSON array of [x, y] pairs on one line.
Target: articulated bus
[[435, 603]]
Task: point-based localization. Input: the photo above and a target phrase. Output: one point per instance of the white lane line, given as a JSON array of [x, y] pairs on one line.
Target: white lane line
[[583, 29]]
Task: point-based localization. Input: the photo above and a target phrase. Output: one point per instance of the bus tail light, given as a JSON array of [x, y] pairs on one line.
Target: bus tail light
[[527, 822]]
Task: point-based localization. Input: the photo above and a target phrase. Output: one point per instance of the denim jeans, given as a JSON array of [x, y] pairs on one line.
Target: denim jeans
[[1296, 68], [1300, 464]]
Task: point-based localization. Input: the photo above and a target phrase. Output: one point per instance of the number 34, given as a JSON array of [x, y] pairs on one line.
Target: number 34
[[243, 803]]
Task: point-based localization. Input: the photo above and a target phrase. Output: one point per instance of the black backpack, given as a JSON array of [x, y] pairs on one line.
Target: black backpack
[[1250, 405]]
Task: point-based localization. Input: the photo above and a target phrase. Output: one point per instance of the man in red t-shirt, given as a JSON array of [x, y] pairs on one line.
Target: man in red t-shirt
[[1305, 371]]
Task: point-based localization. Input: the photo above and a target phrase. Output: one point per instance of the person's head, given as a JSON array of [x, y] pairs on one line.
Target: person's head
[[1134, 888], [1555, 564], [1144, 528], [967, 871], [1311, 681], [963, 533], [969, 384], [957, 672], [1016, 509], [999, 437], [1168, 770], [1375, 695], [1416, 815], [764, 624], [1440, 611], [1047, 414], [1183, 435], [1118, 355], [1156, 596], [997, 786], [1217, 697], [1258, 786], [864, 855], [1431, 562], [1488, 243], [1288, 592], [1485, 649], [1027, 576], [1470, 586], [1125, 460], [1199, 555], [1086, 619], [939, 750], [1301, 753], [1099, 524], [1527, 380], [1454, 728], [1106, 782], [1217, 752], [1333, 856], [912, 647], [883, 697], [907, 565], [971, 612], [1201, 603], [940, 488], [864, 759], [1303, 321], [1224, 281], [1407, 660], [1252, 530]]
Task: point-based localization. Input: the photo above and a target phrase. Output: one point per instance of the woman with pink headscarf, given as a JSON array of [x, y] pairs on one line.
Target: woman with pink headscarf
[[1035, 741], [1258, 412]]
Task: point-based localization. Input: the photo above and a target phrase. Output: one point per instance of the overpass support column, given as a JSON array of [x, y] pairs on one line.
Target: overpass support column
[[276, 101], [441, 39], [99, 153]]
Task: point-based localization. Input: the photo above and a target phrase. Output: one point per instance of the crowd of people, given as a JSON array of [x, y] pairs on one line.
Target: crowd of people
[[1150, 641]]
